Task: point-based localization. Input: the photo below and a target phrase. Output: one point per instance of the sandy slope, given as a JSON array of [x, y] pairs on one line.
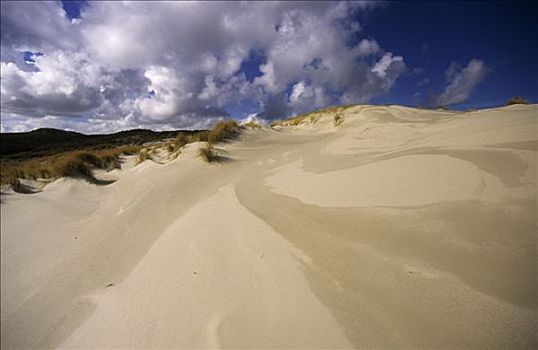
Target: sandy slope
[[400, 228]]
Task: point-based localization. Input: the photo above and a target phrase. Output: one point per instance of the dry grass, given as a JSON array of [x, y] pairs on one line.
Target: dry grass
[[208, 153], [223, 131], [338, 119], [170, 146], [81, 163], [517, 100], [295, 120], [143, 155], [181, 140], [252, 125], [202, 137], [67, 164], [311, 117]]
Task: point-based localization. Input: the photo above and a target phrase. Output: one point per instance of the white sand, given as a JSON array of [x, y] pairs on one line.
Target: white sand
[[400, 228], [397, 182]]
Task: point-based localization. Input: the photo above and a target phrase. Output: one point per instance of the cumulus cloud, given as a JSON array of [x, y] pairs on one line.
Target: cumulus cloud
[[35, 26], [305, 97], [252, 118], [179, 64], [462, 82], [367, 47], [169, 96], [375, 81], [61, 85]]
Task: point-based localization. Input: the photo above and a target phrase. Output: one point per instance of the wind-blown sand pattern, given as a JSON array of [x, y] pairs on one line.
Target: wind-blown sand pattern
[[399, 228]]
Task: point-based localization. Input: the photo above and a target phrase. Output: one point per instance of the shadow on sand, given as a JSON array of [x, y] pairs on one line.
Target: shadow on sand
[[22, 188]]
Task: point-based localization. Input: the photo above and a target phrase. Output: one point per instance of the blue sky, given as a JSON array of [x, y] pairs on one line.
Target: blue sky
[[431, 35], [107, 66]]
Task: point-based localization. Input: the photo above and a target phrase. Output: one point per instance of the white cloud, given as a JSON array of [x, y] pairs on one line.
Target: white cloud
[[304, 97], [178, 64], [253, 117], [35, 26], [60, 85], [165, 94], [268, 79], [462, 82], [384, 63], [367, 47]]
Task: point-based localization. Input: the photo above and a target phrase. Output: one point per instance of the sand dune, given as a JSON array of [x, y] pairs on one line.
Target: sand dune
[[399, 228]]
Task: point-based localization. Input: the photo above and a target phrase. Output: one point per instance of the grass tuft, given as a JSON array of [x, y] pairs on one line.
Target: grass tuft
[[223, 131], [208, 153], [338, 119], [517, 100], [170, 147], [181, 140], [143, 155], [202, 136]]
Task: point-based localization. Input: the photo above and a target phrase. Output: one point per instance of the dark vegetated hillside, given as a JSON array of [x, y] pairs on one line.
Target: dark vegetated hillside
[[45, 142]]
